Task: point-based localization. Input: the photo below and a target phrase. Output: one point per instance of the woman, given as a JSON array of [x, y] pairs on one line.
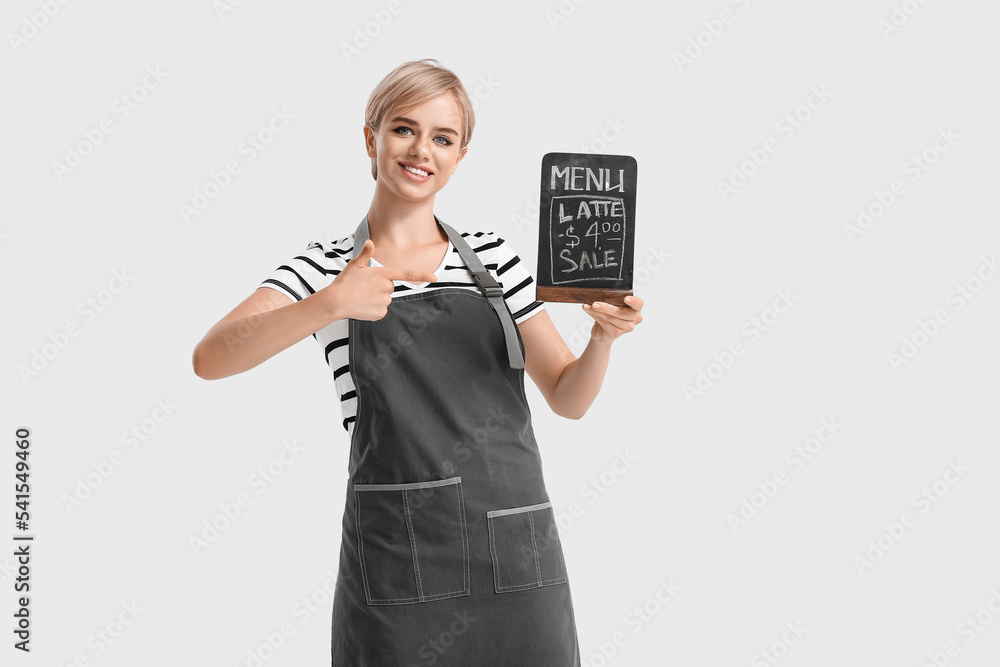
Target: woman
[[450, 552]]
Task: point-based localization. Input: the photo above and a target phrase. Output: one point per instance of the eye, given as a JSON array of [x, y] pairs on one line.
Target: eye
[[402, 130], [443, 140]]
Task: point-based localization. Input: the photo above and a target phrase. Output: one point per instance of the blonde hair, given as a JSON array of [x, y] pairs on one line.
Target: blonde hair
[[410, 85]]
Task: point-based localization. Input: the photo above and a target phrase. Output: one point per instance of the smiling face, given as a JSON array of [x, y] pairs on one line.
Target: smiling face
[[418, 149]]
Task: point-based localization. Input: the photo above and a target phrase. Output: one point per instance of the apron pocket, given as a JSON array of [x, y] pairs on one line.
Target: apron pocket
[[412, 541], [524, 544]]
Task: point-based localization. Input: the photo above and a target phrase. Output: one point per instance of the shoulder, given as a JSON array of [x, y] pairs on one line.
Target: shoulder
[[482, 240], [329, 254], [488, 243], [493, 250]]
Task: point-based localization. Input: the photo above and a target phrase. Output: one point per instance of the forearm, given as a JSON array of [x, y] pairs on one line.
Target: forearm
[[236, 345], [581, 380]]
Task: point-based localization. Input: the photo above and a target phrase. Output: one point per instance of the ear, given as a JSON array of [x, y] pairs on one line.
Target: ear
[[370, 141], [461, 154]]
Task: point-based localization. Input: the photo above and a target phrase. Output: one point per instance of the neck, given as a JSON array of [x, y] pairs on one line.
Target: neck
[[396, 222]]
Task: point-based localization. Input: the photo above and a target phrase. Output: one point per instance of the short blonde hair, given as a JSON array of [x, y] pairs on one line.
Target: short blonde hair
[[410, 85]]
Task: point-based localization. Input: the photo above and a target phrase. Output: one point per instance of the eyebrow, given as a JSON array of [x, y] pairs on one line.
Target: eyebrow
[[414, 123]]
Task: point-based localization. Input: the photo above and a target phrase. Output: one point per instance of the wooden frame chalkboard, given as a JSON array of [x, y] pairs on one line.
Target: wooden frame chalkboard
[[586, 228]]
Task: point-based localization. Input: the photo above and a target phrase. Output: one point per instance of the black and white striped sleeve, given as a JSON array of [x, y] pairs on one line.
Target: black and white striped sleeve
[[518, 285], [302, 275]]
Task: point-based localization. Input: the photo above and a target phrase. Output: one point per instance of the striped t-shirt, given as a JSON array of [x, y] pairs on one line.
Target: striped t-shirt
[[321, 262]]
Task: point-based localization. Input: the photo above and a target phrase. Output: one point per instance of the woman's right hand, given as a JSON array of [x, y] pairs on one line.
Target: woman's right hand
[[363, 292]]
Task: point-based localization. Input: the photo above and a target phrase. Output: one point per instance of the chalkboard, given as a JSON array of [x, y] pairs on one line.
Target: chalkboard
[[586, 228]]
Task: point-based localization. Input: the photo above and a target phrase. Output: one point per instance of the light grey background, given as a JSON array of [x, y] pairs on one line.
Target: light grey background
[[606, 79]]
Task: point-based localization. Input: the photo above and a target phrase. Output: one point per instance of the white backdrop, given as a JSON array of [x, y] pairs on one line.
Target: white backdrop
[[794, 458]]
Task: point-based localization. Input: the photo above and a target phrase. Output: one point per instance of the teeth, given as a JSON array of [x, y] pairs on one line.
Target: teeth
[[418, 172]]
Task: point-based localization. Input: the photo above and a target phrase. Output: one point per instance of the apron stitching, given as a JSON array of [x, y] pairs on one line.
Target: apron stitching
[[519, 510], [357, 392], [465, 539], [493, 554], [357, 499], [361, 546], [534, 548], [413, 546], [407, 486]]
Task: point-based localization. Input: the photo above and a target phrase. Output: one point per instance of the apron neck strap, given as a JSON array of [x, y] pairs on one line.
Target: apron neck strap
[[360, 237]]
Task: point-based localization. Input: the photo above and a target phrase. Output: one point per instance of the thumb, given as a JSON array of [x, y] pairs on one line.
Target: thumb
[[366, 253]]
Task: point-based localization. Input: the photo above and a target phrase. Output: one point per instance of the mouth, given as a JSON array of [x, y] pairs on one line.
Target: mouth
[[416, 172]]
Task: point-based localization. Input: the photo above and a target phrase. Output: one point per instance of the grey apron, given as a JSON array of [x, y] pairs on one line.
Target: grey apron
[[450, 553]]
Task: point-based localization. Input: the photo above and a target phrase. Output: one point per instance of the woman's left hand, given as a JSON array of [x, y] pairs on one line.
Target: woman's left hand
[[610, 321]]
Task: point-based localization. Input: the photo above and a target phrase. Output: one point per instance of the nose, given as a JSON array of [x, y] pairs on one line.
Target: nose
[[419, 147]]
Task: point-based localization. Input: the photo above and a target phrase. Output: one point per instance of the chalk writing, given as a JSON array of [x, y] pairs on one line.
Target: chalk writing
[[588, 237]]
